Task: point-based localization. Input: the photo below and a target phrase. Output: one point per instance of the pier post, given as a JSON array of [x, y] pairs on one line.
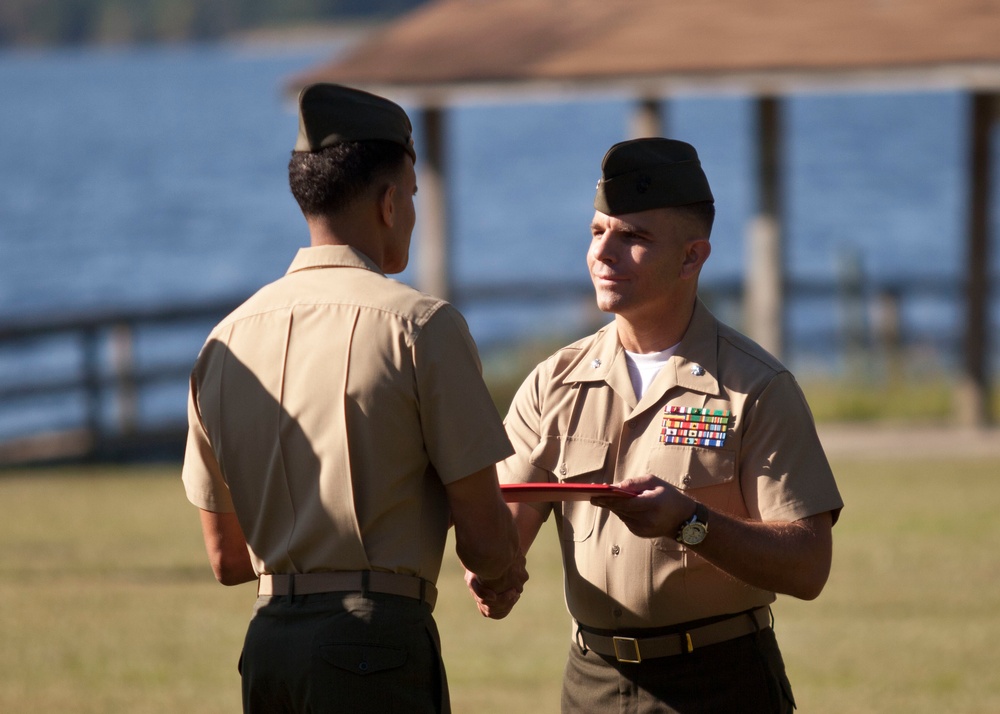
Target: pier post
[[123, 357], [765, 272], [433, 265], [648, 118], [973, 395]]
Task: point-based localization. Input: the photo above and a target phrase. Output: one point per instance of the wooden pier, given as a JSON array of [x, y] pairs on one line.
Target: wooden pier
[[107, 379]]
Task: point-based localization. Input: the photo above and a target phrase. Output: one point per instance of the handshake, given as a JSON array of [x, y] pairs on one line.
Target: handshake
[[495, 598]]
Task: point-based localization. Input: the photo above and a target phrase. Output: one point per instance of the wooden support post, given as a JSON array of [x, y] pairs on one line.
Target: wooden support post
[[92, 387], [851, 294], [887, 331], [433, 268], [123, 357], [648, 119], [765, 280], [973, 397]]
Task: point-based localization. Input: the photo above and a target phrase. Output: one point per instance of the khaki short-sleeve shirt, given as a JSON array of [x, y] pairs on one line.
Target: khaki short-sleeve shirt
[[329, 411], [723, 421]]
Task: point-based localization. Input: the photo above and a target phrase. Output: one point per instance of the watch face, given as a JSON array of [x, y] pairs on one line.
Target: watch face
[[693, 533]]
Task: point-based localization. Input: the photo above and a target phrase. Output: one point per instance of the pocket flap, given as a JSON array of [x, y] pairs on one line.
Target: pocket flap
[[691, 467], [570, 457], [364, 658]]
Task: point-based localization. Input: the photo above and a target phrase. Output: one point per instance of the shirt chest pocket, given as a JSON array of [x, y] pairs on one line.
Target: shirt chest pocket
[[708, 474], [574, 460]]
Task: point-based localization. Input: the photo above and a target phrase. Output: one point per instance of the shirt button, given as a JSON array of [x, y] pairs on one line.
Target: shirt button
[[615, 550], [562, 469], [686, 479], [617, 612], [631, 423]]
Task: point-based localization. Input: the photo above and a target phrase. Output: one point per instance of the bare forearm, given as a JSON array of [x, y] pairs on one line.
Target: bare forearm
[[488, 549], [788, 558], [527, 522], [234, 571], [792, 558], [226, 548], [485, 536], [496, 598]]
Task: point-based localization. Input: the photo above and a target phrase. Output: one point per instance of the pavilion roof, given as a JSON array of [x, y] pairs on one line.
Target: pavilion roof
[[761, 45]]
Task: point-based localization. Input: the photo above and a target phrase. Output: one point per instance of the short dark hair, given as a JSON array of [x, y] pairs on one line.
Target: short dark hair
[[327, 181], [703, 212]]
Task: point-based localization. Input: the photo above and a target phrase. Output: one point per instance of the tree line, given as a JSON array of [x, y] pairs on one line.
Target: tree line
[[110, 22]]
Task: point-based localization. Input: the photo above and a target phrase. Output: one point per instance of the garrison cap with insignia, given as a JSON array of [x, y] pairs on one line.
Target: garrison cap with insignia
[[642, 174], [330, 114]]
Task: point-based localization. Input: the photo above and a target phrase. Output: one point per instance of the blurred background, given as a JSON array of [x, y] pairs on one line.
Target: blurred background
[[852, 148], [143, 153]]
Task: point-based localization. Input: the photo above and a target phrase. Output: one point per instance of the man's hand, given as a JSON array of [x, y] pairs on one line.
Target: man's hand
[[496, 598], [657, 511]]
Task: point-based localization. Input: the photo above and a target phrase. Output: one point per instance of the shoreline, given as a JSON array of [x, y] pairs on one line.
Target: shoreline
[[895, 441]]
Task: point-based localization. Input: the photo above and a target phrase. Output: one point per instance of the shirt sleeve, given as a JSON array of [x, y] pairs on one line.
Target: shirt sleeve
[[462, 429], [783, 468], [523, 424], [203, 481]]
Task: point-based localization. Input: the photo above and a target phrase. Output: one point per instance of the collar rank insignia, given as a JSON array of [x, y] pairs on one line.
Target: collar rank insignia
[[694, 426]]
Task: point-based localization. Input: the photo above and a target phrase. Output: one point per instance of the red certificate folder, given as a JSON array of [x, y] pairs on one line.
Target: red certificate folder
[[537, 492]]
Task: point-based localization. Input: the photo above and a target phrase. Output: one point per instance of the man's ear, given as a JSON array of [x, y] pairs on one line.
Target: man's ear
[[697, 252], [387, 205]]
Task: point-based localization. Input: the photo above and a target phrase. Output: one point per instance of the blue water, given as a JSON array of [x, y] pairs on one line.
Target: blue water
[[157, 176]]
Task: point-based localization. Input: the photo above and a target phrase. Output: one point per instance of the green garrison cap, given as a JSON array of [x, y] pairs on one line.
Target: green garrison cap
[[331, 114], [642, 174]]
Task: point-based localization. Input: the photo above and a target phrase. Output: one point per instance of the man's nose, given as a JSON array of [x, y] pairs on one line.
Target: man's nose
[[601, 248]]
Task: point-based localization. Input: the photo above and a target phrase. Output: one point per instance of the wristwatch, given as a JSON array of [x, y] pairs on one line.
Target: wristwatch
[[694, 530]]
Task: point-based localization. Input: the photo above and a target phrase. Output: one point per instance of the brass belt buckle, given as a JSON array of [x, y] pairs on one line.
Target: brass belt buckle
[[625, 643]]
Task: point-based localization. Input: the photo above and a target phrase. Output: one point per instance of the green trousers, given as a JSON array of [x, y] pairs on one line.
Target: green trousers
[[342, 652], [744, 675]]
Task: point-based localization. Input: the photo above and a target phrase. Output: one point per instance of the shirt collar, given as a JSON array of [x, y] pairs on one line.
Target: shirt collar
[[693, 366], [331, 256], [696, 360]]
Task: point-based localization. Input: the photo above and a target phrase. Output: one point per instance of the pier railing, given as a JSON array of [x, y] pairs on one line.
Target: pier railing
[[95, 391], [95, 396]]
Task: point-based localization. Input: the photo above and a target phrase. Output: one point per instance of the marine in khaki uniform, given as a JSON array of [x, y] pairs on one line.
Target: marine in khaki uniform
[[670, 589], [338, 424]]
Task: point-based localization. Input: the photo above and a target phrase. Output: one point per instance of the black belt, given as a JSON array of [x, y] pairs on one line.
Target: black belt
[[635, 649], [362, 581]]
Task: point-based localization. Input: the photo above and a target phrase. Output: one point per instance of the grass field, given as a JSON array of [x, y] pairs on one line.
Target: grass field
[[109, 606]]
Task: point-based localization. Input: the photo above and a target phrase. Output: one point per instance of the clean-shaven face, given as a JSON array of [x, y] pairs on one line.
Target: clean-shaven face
[[637, 260]]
